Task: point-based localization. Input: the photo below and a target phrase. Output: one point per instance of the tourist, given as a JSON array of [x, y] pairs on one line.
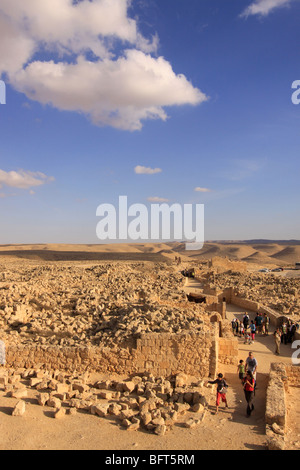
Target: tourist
[[221, 391], [241, 370], [266, 324], [252, 331], [284, 333], [247, 337], [249, 386], [258, 322], [277, 337], [251, 365], [242, 330], [291, 332], [233, 325], [246, 320]]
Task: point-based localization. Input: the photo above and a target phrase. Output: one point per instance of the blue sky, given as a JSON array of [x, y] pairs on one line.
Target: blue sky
[[200, 89]]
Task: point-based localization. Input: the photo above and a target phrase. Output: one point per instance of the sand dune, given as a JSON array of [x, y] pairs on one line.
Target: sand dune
[[273, 253], [259, 253], [290, 254]]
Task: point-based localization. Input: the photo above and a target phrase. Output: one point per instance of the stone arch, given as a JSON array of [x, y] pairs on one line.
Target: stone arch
[[216, 318]]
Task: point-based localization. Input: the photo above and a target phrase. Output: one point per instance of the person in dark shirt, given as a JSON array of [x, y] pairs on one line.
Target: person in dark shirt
[[259, 322], [246, 320], [221, 391]]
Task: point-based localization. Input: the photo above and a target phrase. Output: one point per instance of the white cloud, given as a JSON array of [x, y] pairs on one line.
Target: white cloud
[[119, 90], [157, 199], [15, 47], [23, 179], [94, 88], [142, 170], [264, 7], [72, 27], [202, 190]]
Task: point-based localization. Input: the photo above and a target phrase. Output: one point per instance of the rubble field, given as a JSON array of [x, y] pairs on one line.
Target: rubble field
[[100, 305]]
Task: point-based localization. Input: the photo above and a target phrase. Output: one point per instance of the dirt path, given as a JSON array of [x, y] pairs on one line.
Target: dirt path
[[263, 349]]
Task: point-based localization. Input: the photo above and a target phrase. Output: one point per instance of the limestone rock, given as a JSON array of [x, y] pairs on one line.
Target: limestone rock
[[19, 409]]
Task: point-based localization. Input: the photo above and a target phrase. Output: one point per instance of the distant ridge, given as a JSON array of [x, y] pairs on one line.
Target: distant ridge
[[261, 241]]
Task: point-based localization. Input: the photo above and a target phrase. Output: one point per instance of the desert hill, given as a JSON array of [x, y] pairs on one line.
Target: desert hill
[[259, 252]]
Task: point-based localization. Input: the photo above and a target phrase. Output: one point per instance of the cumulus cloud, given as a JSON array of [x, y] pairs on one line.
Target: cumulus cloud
[[23, 179], [143, 170], [157, 199], [202, 190], [264, 7], [147, 85], [101, 64]]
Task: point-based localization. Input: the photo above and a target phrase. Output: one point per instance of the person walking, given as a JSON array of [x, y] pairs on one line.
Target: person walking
[[251, 366], [249, 385], [222, 387]]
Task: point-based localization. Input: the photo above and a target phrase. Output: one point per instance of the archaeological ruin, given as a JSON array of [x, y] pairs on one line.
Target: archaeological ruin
[[146, 321]]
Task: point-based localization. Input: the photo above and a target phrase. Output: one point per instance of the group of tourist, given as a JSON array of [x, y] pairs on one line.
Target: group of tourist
[[247, 370], [247, 374], [285, 334], [249, 328]]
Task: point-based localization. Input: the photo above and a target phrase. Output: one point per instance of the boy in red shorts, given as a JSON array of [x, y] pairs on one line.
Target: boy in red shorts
[[221, 391]]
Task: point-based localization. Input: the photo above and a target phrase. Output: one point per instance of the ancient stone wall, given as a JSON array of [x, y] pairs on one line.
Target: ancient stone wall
[[192, 353], [217, 307], [244, 303], [228, 351], [281, 377], [221, 264], [276, 318], [162, 354], [69, 358]]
